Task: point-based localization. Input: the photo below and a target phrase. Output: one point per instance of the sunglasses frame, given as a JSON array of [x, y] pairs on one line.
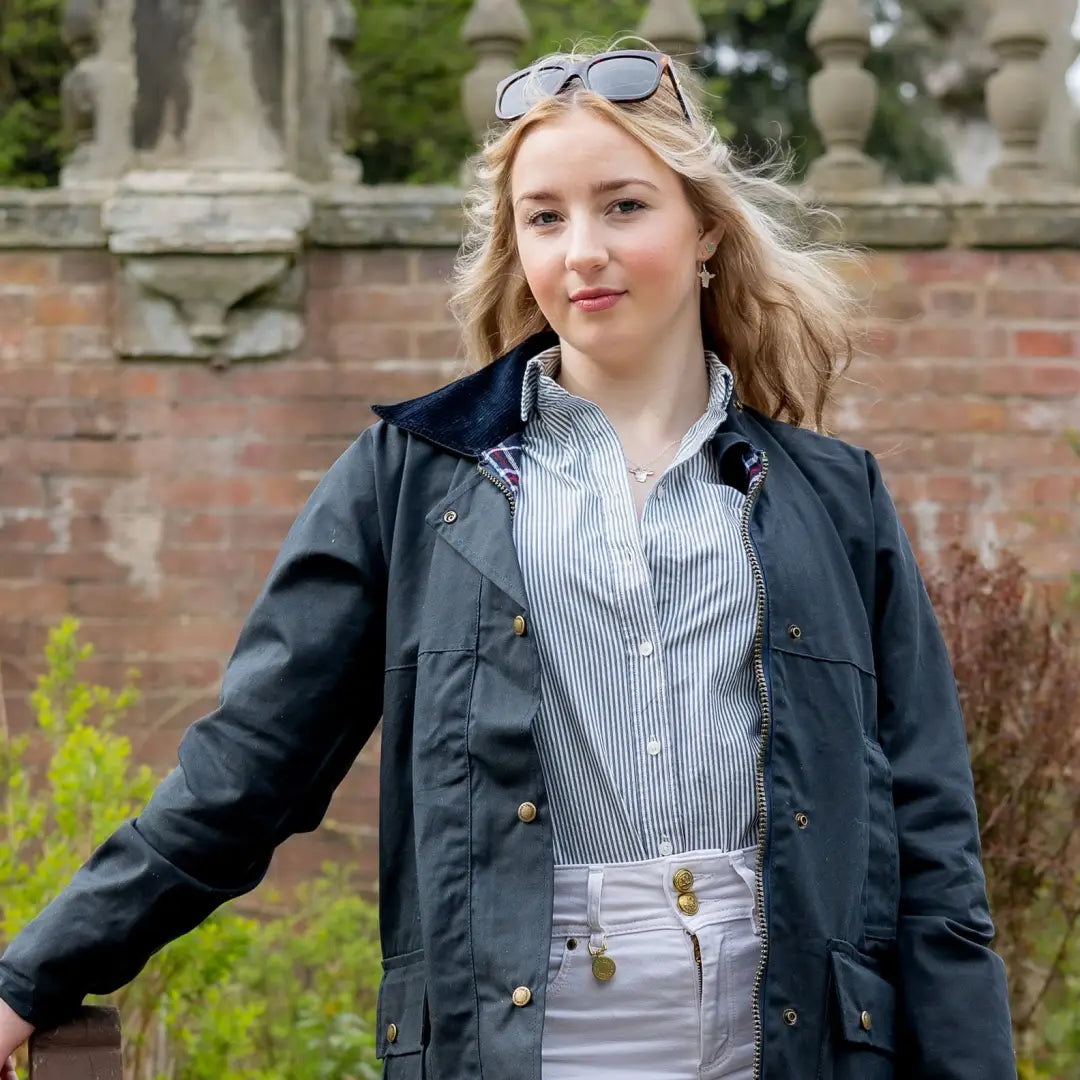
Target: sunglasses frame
[[579, 69]]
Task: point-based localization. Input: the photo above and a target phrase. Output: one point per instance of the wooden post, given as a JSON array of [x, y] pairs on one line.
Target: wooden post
[[86, 1047]]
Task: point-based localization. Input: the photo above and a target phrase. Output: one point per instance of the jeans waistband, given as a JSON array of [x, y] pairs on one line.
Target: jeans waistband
[[611, 895]]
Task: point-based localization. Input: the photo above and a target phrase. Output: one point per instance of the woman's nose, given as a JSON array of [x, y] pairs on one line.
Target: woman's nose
[[585, 248]]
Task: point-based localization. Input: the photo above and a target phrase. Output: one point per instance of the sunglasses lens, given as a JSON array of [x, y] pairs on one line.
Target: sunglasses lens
[[624, 78], [524, 92]]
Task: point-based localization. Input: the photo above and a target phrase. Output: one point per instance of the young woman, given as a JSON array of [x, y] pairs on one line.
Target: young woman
[[674, 780]]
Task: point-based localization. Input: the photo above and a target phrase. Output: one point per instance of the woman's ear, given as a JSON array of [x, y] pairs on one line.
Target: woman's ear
[[710, 236]]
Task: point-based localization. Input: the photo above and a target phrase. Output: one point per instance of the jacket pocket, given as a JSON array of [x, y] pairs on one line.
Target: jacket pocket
[[400, 1035], [860, 1035]]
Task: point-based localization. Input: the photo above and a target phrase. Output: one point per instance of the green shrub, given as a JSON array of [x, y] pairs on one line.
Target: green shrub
[[289, 997], [33, 60]]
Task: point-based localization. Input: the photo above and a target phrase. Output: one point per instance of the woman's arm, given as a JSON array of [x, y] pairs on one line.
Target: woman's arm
[[301, 694], [954, 996]]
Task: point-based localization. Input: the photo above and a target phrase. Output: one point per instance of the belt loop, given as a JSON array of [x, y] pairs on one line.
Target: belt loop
[[739, 865], [596, 931]]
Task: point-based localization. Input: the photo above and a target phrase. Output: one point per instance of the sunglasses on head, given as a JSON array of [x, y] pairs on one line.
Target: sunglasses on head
[[624, 75]]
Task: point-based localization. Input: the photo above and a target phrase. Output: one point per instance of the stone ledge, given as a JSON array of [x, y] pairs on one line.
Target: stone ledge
[[52, 218], [395, 215], [387, 215], [949, 216]]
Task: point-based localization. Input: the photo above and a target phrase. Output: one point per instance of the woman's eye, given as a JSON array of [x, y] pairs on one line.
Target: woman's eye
[[543, 217], [628, 206]]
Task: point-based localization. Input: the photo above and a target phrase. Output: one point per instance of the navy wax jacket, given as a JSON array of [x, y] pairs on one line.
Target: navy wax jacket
[[396, 594]]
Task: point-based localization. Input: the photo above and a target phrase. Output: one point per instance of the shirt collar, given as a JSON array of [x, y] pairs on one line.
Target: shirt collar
[[548, 362]]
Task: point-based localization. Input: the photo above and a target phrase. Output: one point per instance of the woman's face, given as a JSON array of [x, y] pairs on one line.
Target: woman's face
[[609, 243]]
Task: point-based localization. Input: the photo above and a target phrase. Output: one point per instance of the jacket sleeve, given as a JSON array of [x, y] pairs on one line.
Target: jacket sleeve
[[953, 992], [301, 694]]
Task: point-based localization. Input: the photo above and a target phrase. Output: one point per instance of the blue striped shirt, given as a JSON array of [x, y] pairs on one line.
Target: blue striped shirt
[[649, 724]]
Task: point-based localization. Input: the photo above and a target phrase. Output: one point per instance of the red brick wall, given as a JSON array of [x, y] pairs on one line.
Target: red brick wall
[[149, 499]]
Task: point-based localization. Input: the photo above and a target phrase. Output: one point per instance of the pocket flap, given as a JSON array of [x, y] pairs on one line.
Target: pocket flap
[[401, 1003], [865, 1000]]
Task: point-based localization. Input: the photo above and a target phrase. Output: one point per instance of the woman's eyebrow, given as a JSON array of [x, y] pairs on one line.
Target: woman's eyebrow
[[602, 187]]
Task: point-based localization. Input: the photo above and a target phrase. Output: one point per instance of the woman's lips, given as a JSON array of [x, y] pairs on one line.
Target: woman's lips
[[598, 303]]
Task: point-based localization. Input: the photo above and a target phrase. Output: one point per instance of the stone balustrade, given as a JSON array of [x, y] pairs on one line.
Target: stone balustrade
[[207, 207]]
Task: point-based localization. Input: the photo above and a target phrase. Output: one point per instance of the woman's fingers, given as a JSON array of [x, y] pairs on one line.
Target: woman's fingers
[[8, 1071]]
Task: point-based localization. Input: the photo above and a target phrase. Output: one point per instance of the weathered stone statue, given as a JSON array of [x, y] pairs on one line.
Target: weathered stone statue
[[209, 119]]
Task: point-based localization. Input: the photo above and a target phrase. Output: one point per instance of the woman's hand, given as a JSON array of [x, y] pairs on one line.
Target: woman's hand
[[14, 1031]]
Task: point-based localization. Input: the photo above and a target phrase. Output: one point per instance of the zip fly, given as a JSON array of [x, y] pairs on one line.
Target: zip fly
[[759, 776]]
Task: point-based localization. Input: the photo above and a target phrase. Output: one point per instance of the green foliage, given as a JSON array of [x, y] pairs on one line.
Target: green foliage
[[290, 997], [33, 60]]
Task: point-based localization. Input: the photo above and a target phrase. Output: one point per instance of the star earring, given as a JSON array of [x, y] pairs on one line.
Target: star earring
[[703, 273]]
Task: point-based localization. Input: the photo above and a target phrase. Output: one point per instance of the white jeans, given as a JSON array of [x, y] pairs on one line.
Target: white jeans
[[679, 1003]]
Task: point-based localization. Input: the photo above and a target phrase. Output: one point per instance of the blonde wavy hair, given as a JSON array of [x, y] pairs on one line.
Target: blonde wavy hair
[[777, 312]]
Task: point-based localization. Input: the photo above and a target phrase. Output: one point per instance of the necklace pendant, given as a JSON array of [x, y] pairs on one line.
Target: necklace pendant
[[641, 475]]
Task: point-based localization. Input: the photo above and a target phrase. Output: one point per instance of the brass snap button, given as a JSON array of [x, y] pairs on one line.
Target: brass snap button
[[866, 1020], [801, 820], [794, 631], [450, 517], [519, 625], [791, 1017], [683, 880], [521, 996], [391, 1032], [527, 812], [688, 903]]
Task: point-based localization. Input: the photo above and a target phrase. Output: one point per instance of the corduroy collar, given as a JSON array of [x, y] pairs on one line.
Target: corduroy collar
[[483, 410]]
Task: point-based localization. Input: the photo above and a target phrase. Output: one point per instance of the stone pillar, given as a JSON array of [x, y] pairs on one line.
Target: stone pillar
[[209, 119], [675, 27], [1017, 95], [495, 30], [843, 97]]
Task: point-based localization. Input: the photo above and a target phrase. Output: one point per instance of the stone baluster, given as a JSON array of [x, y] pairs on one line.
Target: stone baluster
[[675, 27], [344, 97], [1017, 95], [495, 30], [843, 97], [87, 1047]]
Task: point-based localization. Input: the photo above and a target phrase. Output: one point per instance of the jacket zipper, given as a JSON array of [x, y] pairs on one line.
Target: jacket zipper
[[502, 485], [759, 776]]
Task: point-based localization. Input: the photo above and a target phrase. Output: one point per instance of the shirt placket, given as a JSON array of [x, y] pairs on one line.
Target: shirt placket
[[647, 738]]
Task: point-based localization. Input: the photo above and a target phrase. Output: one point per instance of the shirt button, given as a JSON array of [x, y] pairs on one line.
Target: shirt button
[[866, 1020], [666, 847], [794, 632], [519, 625], [645, 648], [801, 820], [450, 517], [653, 746], [391, 1032], [527, 812], [521, 996], [791, 1017]]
